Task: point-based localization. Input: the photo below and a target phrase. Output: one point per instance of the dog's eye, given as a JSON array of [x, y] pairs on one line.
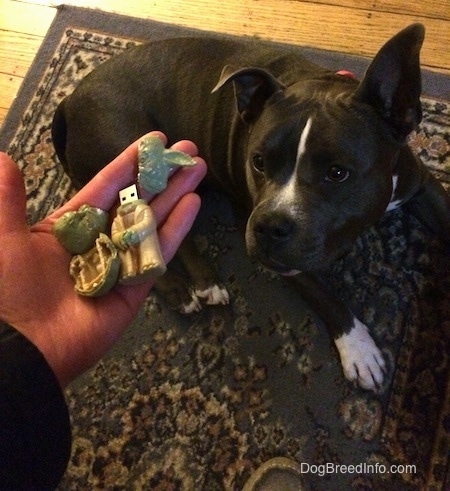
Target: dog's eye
[[258, 162], [337, 174]]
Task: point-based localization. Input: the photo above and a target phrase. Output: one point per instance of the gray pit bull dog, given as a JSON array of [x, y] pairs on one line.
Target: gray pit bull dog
[[314, 157]]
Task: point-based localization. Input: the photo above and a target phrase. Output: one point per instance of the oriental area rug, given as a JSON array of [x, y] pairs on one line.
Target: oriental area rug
[[197, 403]]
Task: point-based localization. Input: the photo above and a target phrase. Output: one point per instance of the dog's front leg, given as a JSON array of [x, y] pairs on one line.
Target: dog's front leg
[[204, 279], [186, 292], [361, 359]]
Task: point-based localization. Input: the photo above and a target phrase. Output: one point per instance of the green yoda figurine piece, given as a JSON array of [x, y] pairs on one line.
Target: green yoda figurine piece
[[95, 272], [156, 162], [77, 230], [130, 252], [134, 233]]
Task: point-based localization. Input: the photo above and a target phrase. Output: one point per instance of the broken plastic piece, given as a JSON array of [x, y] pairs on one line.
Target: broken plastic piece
[[156, 162], [77, 230], [96, 271]]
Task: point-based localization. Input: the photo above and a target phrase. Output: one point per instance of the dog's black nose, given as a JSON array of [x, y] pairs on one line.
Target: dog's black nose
[[274, 228]]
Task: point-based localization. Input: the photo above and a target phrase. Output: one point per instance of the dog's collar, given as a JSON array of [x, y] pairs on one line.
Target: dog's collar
[[346, 73]]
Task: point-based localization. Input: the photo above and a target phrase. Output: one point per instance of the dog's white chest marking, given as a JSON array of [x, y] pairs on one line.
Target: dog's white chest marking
[[288, 192], [361, 359], [393, 204]]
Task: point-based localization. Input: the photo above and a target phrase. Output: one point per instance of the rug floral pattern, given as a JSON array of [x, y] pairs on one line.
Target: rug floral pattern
[[197, 403]]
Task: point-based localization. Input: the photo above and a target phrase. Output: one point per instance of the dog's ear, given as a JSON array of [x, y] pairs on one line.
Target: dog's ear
[[392, 83], [252, 88]]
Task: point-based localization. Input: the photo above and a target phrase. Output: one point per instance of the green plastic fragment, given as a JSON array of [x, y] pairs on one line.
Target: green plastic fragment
[[156, 162]]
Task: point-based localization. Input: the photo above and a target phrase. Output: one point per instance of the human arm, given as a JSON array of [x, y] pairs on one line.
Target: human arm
[[35, 437], [36, 291], [48, 333]]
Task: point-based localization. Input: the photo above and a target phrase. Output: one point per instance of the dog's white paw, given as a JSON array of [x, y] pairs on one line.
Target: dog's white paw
[[190, 308], [214, 295], [361, 359]]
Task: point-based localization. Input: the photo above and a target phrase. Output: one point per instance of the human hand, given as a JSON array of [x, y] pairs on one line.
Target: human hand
[[36, 291]]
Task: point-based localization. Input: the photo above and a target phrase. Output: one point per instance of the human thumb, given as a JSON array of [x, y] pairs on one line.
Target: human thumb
[[12, 196]]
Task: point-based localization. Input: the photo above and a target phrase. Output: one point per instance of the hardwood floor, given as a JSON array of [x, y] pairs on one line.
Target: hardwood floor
[[349, 26]]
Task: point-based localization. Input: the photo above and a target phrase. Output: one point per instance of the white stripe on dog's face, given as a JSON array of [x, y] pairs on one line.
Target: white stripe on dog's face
[[287, 193], [393, 204], [302, 143]]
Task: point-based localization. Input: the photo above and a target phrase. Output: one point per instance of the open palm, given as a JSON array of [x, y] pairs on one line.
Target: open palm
[[36, 290]]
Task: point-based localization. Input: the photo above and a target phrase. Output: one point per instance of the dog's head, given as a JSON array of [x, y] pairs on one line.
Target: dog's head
[[321, 152]]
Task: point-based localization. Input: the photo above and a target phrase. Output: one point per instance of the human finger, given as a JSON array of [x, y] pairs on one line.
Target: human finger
[[186, 146], [12, 196], [182, 182], [177, 225]]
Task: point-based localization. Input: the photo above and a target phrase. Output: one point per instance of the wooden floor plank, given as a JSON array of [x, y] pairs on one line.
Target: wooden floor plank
[[25, 17], [348, 26], [17, 51], [9, 85], [344, 28], [437, 9]]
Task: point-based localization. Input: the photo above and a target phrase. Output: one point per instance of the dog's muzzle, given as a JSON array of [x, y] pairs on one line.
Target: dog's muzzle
[[268, 240]]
